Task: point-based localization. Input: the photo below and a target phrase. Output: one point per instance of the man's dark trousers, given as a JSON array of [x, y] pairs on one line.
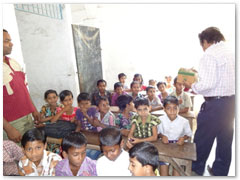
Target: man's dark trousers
[[215, 120]]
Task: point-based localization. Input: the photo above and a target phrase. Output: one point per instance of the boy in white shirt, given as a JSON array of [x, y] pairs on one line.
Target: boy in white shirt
[[173, 128], [115, 161]]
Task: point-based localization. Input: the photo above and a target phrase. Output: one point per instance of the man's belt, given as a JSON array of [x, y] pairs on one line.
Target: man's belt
[[216, 97]]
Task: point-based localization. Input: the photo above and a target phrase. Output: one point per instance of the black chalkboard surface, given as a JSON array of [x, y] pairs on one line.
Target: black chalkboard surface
[[88, 56]]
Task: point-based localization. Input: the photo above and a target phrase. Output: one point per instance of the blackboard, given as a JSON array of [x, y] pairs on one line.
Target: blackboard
[[88, 56]]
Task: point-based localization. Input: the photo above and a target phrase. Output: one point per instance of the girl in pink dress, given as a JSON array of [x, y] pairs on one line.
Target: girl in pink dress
[[67, 112]]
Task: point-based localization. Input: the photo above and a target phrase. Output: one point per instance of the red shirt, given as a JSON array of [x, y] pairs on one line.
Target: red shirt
[[19, 103], [65, 116], [143, 88]]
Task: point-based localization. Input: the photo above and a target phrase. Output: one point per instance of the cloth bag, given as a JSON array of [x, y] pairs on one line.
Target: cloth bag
[[59, 129]]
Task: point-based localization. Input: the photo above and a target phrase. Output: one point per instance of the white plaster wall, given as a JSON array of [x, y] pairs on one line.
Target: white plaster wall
[[152, 39], [48, 53], [10, 24]]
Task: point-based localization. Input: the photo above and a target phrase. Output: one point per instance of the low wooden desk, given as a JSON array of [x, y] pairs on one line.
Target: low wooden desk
[[180, 157], [92, 139], [189, 115]]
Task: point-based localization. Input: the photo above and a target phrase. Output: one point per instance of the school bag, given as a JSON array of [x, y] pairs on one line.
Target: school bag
[[59, 129]]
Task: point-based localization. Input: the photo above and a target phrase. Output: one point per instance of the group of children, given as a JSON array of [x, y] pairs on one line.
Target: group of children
[[134, 121], [141, 160]]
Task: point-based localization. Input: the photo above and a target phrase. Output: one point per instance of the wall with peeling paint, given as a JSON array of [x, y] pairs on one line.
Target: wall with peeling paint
[[48, 53]]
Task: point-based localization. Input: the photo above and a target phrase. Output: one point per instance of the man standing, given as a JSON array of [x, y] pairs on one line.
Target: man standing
[[17, 103], [216, 117]]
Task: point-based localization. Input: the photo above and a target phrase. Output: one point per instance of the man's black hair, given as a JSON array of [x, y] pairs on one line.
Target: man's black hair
[[211, 35]]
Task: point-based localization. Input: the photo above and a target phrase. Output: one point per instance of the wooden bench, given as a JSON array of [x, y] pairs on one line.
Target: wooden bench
[[92, 138]]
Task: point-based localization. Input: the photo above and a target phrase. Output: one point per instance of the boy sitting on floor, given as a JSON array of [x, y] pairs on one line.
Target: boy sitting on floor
[[115, 160], [144, 160], [75, 162], [37, 161]]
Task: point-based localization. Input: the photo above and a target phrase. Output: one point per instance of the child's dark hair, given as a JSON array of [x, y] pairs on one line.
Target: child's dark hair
[[134, 82], [151, 80], [150, 87], [83, 96], [175, 80], [33, 135], [146, 153], [159, 83], [138, 75], [170, 100], [101, 81], [65, 93], [50, 91], [123, 100], [110, 136], [121, 75], [141, 101], [73, 139], [117, 84], [102, 99]]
